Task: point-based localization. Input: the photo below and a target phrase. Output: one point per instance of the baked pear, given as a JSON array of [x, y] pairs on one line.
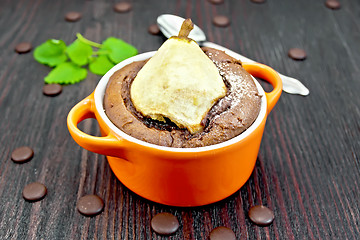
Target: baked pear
[[179, 83]]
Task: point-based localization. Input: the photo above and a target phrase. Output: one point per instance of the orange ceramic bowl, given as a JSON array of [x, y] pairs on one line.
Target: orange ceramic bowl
[[175, 176]]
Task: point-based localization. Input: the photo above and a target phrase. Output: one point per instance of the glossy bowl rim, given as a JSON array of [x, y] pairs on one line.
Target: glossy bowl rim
[[99, 98]]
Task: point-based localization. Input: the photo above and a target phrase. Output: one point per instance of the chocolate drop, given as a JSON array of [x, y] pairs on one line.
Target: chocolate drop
[[297, 54], [164, 223], [90, 205], [261, 215], [34, 191], [222, 233], [22, 154]]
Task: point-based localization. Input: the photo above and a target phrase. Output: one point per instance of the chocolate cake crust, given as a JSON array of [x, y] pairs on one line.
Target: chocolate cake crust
[[230, 115]]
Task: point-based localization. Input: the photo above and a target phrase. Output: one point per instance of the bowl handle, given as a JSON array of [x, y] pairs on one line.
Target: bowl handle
[[268, 74], [108, 145]]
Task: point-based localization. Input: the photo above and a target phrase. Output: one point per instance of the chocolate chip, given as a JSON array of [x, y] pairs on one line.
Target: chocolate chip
[[154, 29], [164, 223], [90, 205], [34, 191], [23, 47], [52, 89], [73, 16], [122, 7], [258, 1], [222, 233], [297, 54], [221, 21], [216, 1], [333, 4], [261, 215], [22, 154]]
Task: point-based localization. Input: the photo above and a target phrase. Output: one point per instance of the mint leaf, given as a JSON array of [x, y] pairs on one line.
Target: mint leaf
[[79, 52], [51, 52], [100, 65], [118, 49], [66, 73]]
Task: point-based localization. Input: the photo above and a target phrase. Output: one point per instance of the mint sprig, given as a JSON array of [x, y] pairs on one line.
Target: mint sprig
[[70, 62]]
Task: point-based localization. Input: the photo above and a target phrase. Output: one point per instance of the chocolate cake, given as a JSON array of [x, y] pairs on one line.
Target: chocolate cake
[[229, 116]]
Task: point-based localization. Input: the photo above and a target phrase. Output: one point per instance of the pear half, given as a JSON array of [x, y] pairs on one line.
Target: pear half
[[180, 83]]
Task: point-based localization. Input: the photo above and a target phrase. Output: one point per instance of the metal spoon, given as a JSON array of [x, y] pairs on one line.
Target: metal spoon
[[170, 25]]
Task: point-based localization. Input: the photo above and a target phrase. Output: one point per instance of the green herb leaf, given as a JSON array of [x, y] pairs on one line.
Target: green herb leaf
[[100, 65], [79, 52], [118, 49], [51, 52], [66, 73]]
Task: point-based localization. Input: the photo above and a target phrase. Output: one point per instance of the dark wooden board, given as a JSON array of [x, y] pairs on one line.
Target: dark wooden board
[[307, 170]]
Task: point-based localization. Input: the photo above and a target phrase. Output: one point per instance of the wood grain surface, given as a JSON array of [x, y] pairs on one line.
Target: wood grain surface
[[307, 170]]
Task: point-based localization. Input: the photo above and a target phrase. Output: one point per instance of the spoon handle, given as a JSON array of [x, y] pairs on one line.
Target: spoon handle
[[290, 85]]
